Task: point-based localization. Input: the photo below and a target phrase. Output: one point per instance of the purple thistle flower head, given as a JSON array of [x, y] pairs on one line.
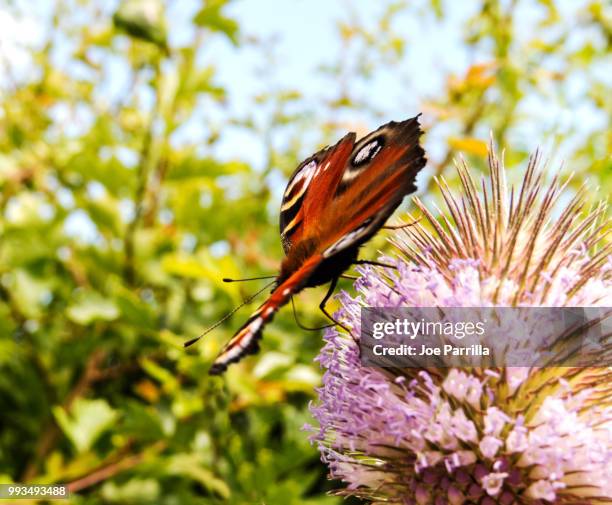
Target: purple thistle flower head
[[473, 435]]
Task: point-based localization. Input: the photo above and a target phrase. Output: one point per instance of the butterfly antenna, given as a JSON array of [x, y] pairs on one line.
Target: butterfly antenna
[[227, 279], [228, 315]]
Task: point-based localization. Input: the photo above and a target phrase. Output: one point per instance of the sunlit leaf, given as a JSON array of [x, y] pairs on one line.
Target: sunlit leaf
[[92, 306], [133, 491], [142, 19], [189, 465], [212, 17], [469, 145], [85, 422]]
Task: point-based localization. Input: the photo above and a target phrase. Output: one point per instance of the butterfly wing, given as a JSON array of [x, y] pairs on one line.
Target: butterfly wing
[[381, 170], [245, 340], [301, 204]]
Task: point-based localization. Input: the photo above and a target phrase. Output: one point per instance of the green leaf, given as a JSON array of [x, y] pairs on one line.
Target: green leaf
[[210, 16], [191, 168], [141, 422], [133, 491], [271, 362], [92, 306], [436, 6], [133, 310], [143, 19], [190, 466], [29, 292], [168, 381], [86, 421]]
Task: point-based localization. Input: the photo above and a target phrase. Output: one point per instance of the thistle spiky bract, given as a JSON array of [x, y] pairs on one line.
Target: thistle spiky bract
[[513, 435]]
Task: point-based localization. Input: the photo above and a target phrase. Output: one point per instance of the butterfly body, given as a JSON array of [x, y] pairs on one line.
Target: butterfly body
[[326, 271], [334, 202]]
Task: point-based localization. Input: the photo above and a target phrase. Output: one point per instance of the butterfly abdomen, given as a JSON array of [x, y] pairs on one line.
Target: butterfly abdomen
[[332, 268]]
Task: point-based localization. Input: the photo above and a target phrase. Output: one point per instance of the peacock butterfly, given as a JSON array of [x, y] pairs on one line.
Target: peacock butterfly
[[334, 202]]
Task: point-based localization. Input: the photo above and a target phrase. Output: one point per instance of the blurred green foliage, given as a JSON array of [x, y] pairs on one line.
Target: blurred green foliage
[[115, 238]]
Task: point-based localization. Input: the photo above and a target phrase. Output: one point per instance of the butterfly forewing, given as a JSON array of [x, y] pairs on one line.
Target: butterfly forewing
[[300, 204]]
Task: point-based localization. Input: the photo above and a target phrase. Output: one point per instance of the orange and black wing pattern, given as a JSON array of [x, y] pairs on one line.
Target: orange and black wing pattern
[[379, 173]]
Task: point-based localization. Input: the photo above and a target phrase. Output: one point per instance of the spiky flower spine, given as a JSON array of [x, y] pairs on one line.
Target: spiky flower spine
[[455, 436]]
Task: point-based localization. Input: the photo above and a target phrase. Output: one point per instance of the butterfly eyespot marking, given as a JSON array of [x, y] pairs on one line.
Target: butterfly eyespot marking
[[368, 152], [305, 173], [359, 162]]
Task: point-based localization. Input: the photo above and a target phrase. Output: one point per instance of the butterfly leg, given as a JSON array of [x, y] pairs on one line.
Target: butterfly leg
[[374, 263], [330, 292], [306, 327]]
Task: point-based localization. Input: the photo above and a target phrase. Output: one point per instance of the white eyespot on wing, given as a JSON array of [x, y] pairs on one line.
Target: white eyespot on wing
[[360, 159], [302, 178], [367, 152]]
